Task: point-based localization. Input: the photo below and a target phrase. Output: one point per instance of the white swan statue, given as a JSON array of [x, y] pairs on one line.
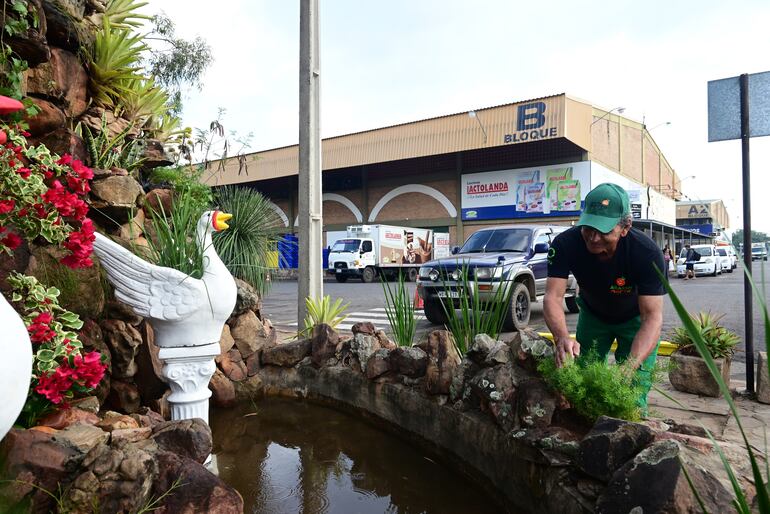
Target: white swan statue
[[15, 366]]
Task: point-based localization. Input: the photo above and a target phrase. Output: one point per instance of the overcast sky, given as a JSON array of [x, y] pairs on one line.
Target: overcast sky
[[391, 62]]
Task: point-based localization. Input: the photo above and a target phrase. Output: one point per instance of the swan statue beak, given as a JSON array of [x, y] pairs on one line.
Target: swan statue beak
[[220, 220]]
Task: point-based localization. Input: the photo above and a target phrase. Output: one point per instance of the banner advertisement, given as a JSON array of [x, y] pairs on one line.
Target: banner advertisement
[[557, 190]]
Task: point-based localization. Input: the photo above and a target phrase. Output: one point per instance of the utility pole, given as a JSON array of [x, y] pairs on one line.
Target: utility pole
[[310, 282]]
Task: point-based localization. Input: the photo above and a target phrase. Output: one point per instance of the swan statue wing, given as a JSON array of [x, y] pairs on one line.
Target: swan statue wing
[[152, 291]]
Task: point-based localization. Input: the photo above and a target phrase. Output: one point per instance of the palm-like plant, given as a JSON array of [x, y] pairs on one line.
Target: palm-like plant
[[123, 13], [720, 341], [246, 246], [141, 99], [323, 311]]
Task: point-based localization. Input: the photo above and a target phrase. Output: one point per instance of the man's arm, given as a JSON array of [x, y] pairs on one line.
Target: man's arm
[[556, 321], [651, 313]]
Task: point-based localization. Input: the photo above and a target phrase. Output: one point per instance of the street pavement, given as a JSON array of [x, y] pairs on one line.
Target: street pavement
[[722, 294]]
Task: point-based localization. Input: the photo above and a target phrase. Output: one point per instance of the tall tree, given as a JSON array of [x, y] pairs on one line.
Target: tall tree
[[756, 237]]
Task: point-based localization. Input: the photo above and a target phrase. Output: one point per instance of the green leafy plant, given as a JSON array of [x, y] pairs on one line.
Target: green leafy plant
[[185, 180], [323, 311], [123, 13], [761, 482], [17, 20], [595, 388], [141, 99], [173, 241], [106, 152], [476, 315], [400, 311], [246, 246], [720, 341]]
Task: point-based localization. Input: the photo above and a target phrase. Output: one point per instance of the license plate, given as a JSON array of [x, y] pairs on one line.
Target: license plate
[[449, 294], [338, 270]]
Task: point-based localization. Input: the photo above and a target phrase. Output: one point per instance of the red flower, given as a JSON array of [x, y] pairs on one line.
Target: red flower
[[89, 369], [65, 159], [12, 240], [39, 331], [81, 245], [24, 172], [7, 206]]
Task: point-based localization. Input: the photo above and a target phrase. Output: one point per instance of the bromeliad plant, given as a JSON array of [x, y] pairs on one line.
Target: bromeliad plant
[[106, 152], [323, 311], [400, 311], [61, 370], [476, 315], [720, 341]]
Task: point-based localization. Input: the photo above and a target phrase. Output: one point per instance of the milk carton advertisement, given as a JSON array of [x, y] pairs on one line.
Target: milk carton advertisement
[[553, 178], [568, 195], [522, 182], [535, 197]]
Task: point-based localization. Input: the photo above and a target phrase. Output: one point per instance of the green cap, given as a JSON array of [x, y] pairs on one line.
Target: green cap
[[606, 205]]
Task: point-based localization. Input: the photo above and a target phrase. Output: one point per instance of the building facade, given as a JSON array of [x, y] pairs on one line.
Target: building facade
[[530, 161], [708, 217]]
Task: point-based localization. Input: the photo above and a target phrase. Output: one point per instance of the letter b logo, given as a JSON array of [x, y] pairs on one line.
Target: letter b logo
[[530, 116]]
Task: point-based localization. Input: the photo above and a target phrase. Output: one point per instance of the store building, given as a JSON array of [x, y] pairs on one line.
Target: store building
[[530, 161], [708, 217]]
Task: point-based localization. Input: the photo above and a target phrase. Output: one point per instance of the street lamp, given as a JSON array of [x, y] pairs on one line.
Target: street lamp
[[620, 110], [474, 114], [666, 123]]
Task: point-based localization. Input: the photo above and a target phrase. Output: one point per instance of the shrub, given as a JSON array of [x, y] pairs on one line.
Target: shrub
[[720, 341], [400, 311], [594, 388], [246, 246], [186, 180]]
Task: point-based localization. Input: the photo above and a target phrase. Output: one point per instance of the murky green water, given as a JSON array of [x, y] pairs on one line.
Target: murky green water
[[289, 456]]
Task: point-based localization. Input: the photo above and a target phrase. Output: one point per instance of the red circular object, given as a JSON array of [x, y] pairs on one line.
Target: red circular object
[[9, 105], [3, 137]]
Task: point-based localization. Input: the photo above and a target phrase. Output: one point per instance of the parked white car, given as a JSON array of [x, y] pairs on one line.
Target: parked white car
[[710, 262], [729, 259]]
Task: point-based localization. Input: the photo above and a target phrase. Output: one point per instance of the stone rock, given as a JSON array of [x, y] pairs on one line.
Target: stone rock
[[443, 361], [132, 229], [232, 365], [119, 192], [690, 375], [363, 346], [16, 262], [149, 374], [323, 344], [78, 293], [63, 141], [119, 310], [248, 298], [226, 341], [252, 335], [49, 118], [459, 388], [535, 403], [202, 492], [499, 354], [763, 381], [163, 407], [222, 390], [494, 389], [66, 417], [32, 46], [116, 477], [479, 350], [410, 362], [124, 396], [155, 155], [87, 404], [147, 417], [287, 355], [62, 79], [123, 341], [34, 457], [131, 435], [364, 327], [378, 364], [82, 437], [531, 349], [160, 200], [382, 338], [115, 125], [65, 27], [190, 438], [654, 482], [252, 364], [610, 444], [116, 421]]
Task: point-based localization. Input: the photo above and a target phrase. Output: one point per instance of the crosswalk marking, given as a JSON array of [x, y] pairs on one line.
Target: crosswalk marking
[[377, 316]]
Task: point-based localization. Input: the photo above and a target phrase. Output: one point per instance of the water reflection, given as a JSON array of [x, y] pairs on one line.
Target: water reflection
[[287, 456]]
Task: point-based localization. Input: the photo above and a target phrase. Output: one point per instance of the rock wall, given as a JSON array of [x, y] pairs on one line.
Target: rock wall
[[492, 415]]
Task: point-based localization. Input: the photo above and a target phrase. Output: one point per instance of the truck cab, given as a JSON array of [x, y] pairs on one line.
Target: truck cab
[[352, 257]]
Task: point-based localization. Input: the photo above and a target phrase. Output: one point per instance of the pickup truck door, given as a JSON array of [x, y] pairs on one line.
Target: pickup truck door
[[538, 263]]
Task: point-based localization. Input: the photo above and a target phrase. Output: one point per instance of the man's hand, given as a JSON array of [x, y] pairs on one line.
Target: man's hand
[[566, 348]]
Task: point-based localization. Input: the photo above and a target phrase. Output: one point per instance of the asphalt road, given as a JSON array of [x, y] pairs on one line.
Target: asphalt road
[[722, 294]]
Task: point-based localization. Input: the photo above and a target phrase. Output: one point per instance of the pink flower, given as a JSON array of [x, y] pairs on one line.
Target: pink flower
[[24, 172], [7, 206], [39, 330]]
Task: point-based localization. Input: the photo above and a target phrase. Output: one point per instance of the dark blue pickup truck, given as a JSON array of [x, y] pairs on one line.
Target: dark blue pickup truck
[[513, 255]]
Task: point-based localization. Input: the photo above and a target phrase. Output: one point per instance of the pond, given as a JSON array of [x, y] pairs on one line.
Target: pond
[[291, 456]]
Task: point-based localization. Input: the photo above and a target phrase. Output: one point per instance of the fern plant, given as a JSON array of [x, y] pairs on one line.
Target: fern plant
[[323, 311]]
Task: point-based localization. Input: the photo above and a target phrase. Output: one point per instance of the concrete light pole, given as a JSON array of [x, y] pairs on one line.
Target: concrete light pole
[[310, 283]]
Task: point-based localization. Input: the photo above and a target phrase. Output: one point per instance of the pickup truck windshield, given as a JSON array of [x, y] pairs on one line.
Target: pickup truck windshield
[[498, 240], [346, 245]]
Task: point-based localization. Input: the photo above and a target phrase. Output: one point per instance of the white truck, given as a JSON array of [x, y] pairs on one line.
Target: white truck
[[371, 250]]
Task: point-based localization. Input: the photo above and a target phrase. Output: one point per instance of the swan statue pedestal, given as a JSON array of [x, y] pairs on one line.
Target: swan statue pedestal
[[187, 314]]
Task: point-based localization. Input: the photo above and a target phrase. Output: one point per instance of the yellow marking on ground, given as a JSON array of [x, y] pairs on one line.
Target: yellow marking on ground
[[666, 348]]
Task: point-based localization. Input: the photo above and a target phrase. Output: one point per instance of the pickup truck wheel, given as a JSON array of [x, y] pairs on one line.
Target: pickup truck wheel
[[340, 278], [517, 317], [411, 274], [572, 305], [368, 275], [434, 311]]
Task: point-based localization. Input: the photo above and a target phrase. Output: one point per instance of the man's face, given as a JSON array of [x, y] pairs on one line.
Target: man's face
[[600, 244]]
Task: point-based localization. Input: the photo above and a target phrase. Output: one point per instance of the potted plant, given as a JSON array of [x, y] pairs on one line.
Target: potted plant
[[689, 372]]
